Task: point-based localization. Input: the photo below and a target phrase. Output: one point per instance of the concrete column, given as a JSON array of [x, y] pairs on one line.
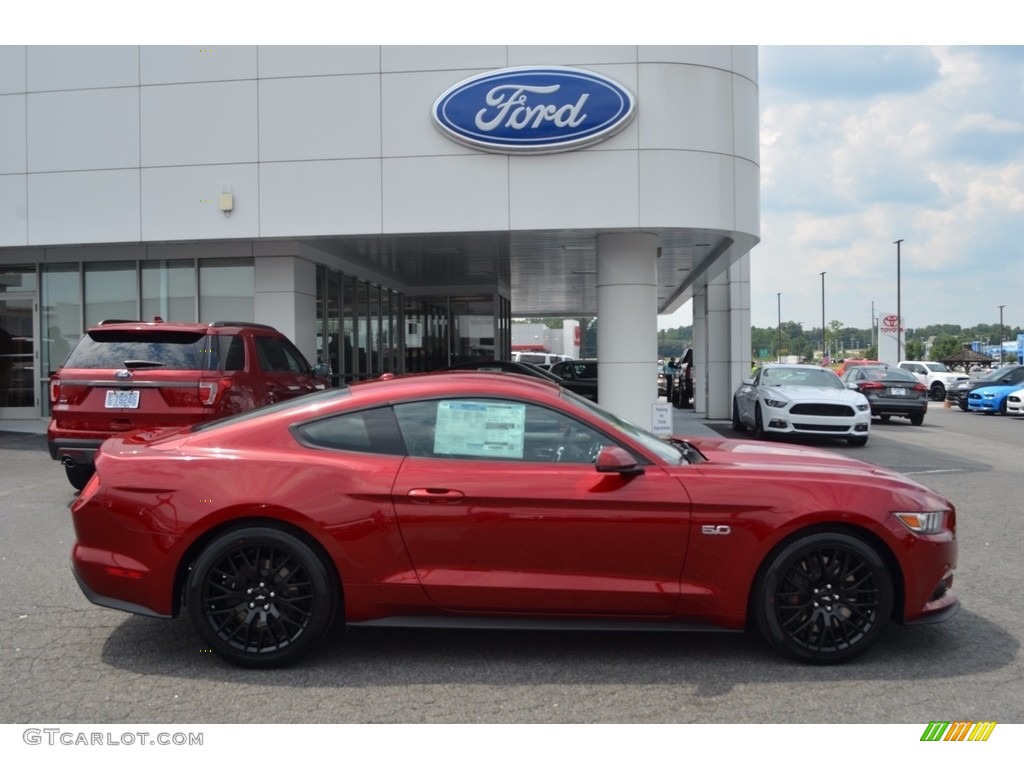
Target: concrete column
[[286, 299], [727, 343], [627, 325]]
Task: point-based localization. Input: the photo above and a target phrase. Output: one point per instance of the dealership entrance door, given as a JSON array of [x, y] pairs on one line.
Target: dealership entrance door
[[17, 356]]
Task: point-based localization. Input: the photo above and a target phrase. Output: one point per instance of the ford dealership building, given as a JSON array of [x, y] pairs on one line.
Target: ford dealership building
[[388, 208]]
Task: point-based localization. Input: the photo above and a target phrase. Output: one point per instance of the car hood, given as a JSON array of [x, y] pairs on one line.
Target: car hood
[[817, 394], [995, 389], [753, 454]]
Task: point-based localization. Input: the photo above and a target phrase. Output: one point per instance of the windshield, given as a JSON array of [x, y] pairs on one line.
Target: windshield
[[674, 452], [800, 377], [937, 368]]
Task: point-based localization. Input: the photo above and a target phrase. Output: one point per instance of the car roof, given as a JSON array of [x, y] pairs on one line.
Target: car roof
[[441, 383]]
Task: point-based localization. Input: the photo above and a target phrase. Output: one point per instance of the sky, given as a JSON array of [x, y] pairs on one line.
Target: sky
[[879, 121]]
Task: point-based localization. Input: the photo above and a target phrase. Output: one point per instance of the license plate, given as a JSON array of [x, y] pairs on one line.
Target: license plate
[[899, 391], [121, 398]]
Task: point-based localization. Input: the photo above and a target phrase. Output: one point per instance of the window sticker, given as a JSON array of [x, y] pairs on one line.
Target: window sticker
[[482, 429]]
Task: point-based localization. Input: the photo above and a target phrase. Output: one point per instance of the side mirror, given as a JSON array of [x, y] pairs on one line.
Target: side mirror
[[614, 459]]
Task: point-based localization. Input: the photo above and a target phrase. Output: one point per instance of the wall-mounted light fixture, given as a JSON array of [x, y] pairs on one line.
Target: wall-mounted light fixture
[[226, 203]]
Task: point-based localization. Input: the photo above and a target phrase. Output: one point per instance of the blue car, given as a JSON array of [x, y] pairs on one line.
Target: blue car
[[991, 399]]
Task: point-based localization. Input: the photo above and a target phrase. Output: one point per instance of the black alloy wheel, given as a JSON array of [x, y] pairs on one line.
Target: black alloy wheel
[[938, 391], [261, 597], [758, 431], [823, 599]]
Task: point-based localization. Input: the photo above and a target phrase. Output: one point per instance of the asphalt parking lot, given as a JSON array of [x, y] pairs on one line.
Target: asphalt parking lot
[[66, 660]]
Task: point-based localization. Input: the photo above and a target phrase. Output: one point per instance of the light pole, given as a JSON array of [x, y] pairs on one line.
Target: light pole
[[822, 318], [778, 351], [899, 309], [1000, 342]]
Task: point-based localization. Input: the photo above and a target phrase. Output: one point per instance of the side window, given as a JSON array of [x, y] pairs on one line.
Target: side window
[[279, 355], [372, 431], [495, 430], [232, 352]]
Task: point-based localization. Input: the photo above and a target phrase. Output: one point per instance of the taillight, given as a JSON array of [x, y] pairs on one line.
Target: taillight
[[54, 390], [920, 387], [870, 385], [211, 390]]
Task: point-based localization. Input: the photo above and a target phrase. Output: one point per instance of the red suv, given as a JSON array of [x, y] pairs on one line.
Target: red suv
[[126, 375]]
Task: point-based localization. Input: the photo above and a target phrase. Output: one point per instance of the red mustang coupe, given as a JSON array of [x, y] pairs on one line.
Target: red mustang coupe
[[484, 499]]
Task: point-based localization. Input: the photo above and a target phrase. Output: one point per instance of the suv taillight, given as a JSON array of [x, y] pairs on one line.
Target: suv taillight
[[211, 390], [54, 390]]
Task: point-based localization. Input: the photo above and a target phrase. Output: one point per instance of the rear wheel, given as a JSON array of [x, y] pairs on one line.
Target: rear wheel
[[885, 416], [261, 597], [917, 419], [823, 599], [79, 474]]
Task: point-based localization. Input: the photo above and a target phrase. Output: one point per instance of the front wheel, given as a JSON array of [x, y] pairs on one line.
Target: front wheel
[[938, 391], [857, 441], [737, 423], [824, 598], [261, 597], [758, 431]]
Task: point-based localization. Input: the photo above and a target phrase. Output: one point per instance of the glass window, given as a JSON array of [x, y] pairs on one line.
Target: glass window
[[167, 350], [495, 430], [60, 314], [110, 292], [169, 290], [17, 279], [227, 288], [372, 431], [350, 334], [279, 355]]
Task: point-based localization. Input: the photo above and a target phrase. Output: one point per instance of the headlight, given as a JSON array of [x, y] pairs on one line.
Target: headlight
[[921, 522], [863, 406], [776, 403]]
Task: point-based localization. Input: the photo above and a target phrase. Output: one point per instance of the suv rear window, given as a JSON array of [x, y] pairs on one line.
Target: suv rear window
[[173, 350]]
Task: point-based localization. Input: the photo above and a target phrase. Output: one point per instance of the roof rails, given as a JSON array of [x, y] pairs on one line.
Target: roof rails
[[240, 324]]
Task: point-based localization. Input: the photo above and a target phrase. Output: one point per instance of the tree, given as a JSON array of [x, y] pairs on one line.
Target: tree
[[945, 346], [914, 350]]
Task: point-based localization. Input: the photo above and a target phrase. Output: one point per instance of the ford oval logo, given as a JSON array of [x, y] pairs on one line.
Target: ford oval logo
[[534, 109]]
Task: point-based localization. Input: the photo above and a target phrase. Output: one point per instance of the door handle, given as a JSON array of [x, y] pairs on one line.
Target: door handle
[[434, 496]]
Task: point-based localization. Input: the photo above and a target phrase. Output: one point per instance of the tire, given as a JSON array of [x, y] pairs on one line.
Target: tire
[[938, 391], [1002, 406], [885, 416], [737, 423], [857, 442], [758, 431], [917, 419], [261, 597], [963, 405], [824, 598], [79, 474]]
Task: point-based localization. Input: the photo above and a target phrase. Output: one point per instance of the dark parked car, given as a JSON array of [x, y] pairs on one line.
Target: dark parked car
[[890, 391], [506, 366], [1008, 374], [579, 376], [481, 500], [125, 375]]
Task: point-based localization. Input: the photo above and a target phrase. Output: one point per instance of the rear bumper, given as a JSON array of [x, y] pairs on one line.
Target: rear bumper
[[76, 450]]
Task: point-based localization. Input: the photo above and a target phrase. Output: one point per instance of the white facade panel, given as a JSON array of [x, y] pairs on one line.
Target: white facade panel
[[441, 194], [574, 190], [196, 63], [570, 56], [83, 207], [66, 67], [12, 68], [717, 56], [199, 123], [319, 118], [746, 113], [183, 203], [406, 124], [13, 211], [329, 197], [416, 58], [13, 150], [93, 129], [687, 189], [678, 122], [312, 60], [748, 196]]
